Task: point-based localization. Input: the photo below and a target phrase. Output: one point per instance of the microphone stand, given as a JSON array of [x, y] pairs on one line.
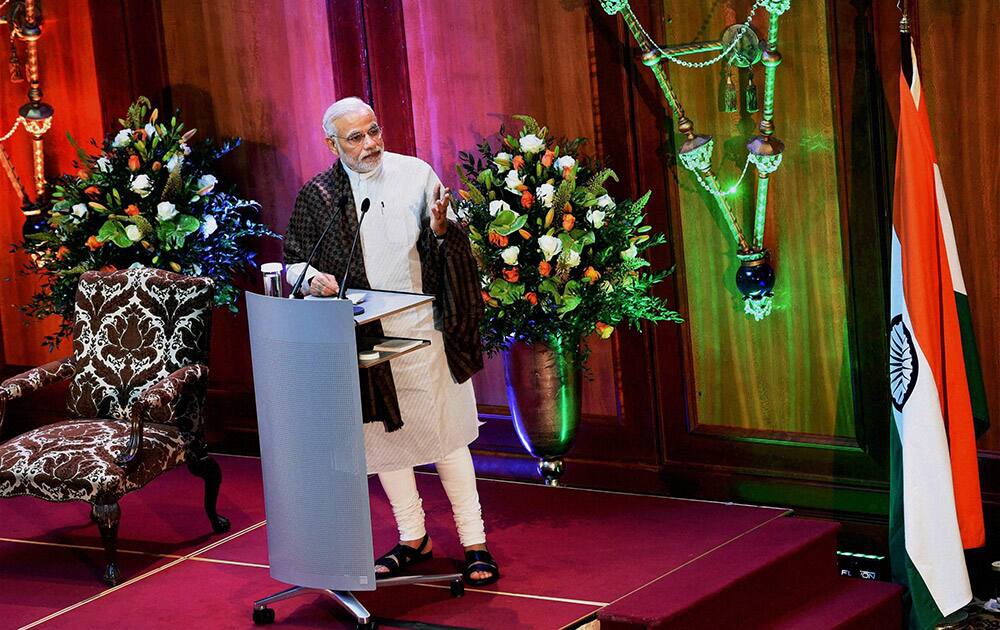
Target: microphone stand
[[298, 283], [350, 257]]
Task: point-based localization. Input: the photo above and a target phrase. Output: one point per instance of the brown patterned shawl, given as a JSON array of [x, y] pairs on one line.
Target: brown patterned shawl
[[448, 272]]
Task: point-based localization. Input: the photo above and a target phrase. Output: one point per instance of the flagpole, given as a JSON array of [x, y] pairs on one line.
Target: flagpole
[[905, 42]]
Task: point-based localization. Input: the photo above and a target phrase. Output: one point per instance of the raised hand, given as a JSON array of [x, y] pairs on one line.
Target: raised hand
[[439, 211]]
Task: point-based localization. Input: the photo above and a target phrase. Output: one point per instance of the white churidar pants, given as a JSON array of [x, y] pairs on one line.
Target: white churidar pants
[[459, 480]]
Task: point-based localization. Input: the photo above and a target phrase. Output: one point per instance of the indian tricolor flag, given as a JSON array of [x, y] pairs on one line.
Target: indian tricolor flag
[[935, 507]]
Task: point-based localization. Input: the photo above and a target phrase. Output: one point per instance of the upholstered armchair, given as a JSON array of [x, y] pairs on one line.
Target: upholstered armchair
[[138, 377]]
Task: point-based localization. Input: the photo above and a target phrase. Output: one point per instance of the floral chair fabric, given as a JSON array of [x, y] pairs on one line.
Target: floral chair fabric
[[136, 398], [133, 330]]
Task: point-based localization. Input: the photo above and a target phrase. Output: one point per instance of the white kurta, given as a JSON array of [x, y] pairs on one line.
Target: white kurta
[[439, 415]]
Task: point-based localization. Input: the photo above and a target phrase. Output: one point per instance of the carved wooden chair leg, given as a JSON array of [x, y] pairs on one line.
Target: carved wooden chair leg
[[107, 516], [202, 465]]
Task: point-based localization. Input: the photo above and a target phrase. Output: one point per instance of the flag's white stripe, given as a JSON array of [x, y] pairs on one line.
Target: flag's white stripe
[[948, 232], [933, 541], [915, 83]]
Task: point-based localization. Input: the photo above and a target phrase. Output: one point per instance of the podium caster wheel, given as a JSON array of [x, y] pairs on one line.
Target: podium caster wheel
[[457, 588], [263, 616]]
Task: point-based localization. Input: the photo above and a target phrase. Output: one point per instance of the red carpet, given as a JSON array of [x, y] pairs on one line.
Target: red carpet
[[567, 557]]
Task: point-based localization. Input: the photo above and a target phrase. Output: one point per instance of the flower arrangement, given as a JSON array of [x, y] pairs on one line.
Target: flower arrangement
[[559, 258], [148, 199]]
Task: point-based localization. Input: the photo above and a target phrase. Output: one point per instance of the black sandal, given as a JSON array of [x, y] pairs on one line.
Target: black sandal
[[477, 561], [402, 556]]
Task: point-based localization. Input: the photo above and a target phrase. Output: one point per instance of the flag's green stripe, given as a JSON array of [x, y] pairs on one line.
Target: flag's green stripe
[[918, 605], [973, 371]]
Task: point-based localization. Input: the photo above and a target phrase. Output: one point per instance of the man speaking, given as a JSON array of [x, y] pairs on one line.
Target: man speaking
[[419, 408]]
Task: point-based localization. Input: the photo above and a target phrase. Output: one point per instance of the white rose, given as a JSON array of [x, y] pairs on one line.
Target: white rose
[[150, 130], [631, 252], [104, 164], [565, 161], [509, 255], [123, 138], [497, 206], [133, 233], [209, 226], [80, 210], [165, 211], [186, 149], [545, 194], [550, 246], [206, 183], [513, 181], [141, 185], [604, 201], [502, 160], [596, 217], [570, 258], [532, 143]]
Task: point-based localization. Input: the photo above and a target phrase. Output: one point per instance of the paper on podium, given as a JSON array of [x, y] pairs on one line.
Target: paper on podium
[[354, 297], [379, 304]]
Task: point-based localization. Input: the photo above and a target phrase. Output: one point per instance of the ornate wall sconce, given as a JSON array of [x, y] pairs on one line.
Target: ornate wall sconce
[[24, 21], [739, 46]]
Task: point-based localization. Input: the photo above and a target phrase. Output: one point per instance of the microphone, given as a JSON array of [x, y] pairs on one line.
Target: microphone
[[350, 257]]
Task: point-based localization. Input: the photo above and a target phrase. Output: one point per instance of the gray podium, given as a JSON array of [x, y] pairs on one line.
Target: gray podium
[[305, 368]]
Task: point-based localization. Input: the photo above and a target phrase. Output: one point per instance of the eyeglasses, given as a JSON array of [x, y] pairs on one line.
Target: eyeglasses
[[355, 139]]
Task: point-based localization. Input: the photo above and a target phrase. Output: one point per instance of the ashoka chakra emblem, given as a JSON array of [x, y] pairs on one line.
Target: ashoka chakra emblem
[[902, 362]]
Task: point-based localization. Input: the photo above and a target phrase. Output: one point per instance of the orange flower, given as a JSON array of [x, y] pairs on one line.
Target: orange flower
[[567, 170], [568, 208], [61, 252], [545, 269], [527, 199], [93, 191], [156, 165], [525, 234], [82, 174], [591, 274], [486, 296], [518, 162], [133, 163], [93, 243], [108, 268], [132, 210], [568, 222], [531, 297], [604, 330], [139, 135], [498, 239], [511, 275], [548, 157]]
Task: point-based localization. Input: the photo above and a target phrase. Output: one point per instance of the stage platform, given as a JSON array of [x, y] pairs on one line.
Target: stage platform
[[570, 558]]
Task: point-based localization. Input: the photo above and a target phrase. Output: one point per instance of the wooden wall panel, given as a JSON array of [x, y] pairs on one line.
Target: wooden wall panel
[[538, 68], [261, 71], [959, 70], [790, 372], [69, 83]]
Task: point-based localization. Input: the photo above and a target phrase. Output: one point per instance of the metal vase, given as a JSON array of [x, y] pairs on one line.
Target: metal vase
[[543, 390]]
